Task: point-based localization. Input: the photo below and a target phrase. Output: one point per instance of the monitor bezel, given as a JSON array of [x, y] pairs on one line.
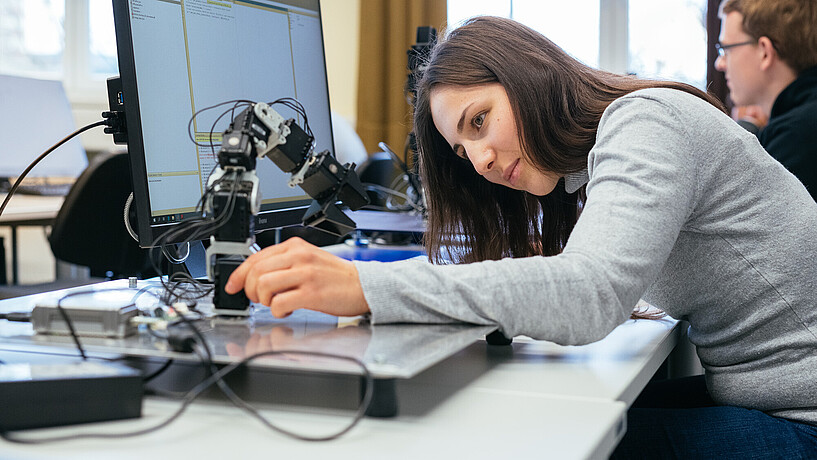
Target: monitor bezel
[[146, 231]]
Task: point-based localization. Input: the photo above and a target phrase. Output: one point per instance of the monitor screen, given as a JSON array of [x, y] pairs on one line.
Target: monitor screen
[[179, 57], [34, 115]]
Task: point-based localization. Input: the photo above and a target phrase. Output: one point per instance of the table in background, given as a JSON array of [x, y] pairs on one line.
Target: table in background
[[26, 210]]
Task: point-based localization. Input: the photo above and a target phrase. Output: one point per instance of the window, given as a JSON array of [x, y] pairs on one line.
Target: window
[[102, 62], [668, 40], [573, 25], [32, 37], [68, 40], [653, 39]]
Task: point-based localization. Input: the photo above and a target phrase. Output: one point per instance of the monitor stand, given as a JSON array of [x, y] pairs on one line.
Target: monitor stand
[[195, 264]]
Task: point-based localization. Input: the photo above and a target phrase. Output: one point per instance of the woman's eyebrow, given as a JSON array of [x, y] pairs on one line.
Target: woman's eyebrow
[[462, 118]]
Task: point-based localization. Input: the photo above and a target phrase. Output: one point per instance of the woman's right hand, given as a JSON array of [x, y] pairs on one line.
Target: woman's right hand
[[295, 274]]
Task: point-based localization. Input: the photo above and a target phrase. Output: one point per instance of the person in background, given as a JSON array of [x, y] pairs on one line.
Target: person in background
[[750, 117], [559, 195], [768, 52]]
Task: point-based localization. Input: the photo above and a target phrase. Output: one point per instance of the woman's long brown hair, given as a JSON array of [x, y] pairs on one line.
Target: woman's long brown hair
[[557, 102]]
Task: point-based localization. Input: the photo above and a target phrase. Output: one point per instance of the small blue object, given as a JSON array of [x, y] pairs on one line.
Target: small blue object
[[378, 254]]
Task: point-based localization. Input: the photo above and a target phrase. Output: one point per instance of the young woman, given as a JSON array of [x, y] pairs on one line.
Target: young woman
[[560, 195]]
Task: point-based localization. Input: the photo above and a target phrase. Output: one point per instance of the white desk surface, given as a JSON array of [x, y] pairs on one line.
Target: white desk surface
[[474, 423], [615, 369], [539, 399], [24, 209]]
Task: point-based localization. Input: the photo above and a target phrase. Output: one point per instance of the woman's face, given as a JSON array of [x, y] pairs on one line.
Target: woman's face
[[478, 124]]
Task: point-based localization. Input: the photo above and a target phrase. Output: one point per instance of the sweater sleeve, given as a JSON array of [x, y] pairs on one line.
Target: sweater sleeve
[[640, 192]]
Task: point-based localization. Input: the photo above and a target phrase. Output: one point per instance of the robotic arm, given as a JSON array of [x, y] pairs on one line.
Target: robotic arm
[[233, 198]]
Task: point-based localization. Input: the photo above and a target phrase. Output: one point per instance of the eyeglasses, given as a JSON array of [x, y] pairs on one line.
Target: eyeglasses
[[722, 49]]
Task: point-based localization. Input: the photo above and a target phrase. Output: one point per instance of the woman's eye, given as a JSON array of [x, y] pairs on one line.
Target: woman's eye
[[478, 120]]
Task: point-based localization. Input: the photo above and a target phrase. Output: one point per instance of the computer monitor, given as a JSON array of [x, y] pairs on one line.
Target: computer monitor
[[34, 115], [178, 57]]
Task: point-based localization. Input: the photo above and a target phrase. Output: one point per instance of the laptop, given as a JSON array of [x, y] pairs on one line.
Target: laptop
[[34, 115]]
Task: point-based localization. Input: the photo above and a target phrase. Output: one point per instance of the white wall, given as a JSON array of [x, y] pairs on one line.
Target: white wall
[[341, 33]]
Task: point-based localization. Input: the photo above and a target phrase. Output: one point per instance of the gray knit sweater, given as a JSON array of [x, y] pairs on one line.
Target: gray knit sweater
[[685, 210]]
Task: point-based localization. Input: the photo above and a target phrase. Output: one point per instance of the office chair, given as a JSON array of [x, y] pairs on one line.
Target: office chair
[[378, 169], [89, 229]]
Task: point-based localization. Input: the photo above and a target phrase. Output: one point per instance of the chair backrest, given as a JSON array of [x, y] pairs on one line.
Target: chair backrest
[[378, 169], [89, 229]]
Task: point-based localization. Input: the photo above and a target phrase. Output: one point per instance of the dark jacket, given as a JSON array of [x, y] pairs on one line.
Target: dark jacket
[[791, 135]]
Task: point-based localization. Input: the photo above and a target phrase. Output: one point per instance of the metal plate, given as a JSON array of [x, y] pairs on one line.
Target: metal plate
[[389, 351]]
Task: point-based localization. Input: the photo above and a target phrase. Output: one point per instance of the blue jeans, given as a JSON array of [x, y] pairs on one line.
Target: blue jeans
[[693, 427]]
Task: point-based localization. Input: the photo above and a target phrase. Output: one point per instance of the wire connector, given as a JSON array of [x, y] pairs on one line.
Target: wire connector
[[115, 117], [180, 340], [18, 316], [115, 124]]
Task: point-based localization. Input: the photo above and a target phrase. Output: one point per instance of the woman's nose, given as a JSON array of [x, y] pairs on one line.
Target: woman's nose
[[482, 158]]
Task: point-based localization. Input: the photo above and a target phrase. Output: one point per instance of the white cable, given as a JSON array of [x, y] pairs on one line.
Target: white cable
[[173, 259], [131, 232]]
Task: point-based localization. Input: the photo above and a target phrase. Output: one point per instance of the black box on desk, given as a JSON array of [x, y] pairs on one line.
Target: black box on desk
[[45, 395]]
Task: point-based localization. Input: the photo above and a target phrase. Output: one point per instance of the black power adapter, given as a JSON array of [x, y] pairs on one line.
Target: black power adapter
[[45, 395]]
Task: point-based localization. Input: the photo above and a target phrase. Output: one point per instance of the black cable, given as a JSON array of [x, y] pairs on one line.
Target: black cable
[[298, 108], [18, 316], [157, 372], [31, 166], [199, 112], [360, 413], [165, 393], [200, 227], [231, 111], [195, 229], [183, 287], [193, 394], [404, 167], [216, 376], [70, 325], [207, 359], [390, 192]]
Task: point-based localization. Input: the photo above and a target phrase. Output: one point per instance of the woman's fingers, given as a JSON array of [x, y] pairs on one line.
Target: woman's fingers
[[238, 278], [295, 274]]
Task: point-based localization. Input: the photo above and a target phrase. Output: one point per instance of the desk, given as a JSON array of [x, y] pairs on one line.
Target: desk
[[615, 369], [533, 398], [473, 424], [27, 210]]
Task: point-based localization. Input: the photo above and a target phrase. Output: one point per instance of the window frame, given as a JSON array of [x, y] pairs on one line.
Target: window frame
[[613, 34], [83, 89]]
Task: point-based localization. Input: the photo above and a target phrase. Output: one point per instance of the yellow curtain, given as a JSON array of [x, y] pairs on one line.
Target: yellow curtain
[[388, 28]]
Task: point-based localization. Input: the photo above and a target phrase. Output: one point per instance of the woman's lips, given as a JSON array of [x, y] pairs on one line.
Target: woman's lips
[[513, 173]]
